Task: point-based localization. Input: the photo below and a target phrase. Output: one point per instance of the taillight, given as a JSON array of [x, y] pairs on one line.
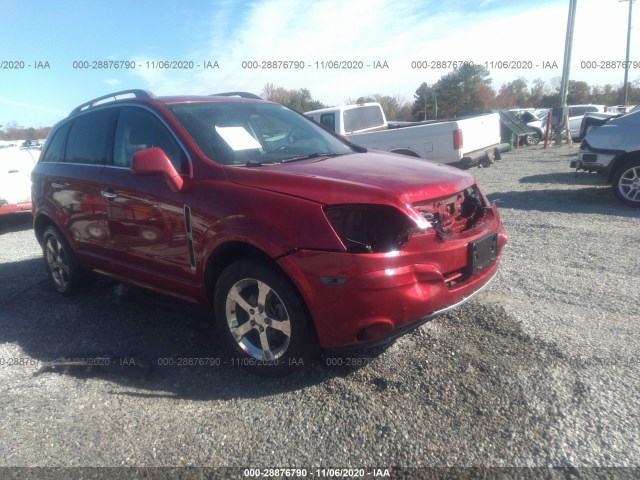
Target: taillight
[[457, 139]]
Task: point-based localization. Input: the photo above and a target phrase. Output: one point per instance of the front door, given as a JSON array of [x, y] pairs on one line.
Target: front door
[[145, 218]]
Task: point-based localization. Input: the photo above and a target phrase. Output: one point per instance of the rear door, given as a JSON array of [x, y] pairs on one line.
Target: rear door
[[69, 180], [146, 219]]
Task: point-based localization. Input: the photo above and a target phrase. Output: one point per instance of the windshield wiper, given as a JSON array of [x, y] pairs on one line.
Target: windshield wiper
[[303, 157], [258, 163], [311, 155]]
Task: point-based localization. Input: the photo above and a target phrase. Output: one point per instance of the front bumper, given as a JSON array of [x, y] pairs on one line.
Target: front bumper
[[359, 300]]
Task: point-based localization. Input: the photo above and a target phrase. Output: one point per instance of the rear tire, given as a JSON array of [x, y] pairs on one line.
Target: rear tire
[[61, 264], [264, 321], [626, 182]]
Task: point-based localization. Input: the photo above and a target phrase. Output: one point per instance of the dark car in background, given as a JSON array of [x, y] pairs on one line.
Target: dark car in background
[[611, 147]]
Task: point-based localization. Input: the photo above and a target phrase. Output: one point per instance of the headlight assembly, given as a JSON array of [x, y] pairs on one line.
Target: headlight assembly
[[370, 228]]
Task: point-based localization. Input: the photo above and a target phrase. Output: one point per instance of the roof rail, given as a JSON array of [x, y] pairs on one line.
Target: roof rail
[[92, 103], [237, 94]]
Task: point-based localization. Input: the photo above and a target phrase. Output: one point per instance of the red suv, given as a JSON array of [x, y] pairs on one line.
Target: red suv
[[298, 239]]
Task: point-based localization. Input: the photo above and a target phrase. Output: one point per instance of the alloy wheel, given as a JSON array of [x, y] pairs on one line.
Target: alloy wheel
[[629, 184], [258, 319], [58, 264]]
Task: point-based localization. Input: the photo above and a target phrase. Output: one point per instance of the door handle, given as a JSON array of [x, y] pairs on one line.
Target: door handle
[[108, 194], [58, 185]]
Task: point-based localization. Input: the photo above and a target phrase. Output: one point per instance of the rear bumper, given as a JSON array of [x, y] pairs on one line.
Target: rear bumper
[[367, 299], [592, 161]]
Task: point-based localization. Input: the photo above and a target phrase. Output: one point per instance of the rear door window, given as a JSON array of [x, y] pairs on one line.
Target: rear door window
[[55, 146], [329, 121], [577, 111], [89, 138]]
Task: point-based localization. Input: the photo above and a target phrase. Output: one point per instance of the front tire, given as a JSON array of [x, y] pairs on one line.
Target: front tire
[[61, 264], [263, 319], [626, 182]]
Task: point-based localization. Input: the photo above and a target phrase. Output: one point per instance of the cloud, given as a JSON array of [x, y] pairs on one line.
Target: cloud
[[112, 81], [29, 106], [511, 41]]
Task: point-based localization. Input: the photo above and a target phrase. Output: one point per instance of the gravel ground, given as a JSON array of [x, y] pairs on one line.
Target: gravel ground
[[542, 369]]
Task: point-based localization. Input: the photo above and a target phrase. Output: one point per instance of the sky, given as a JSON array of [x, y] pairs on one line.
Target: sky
[[53, 54]]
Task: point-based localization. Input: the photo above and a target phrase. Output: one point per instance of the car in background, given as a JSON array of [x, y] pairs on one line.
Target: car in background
[[595, 119], [613, 150], [297, 238], [537, 120], [576, 113], [16, 165], [619, 108]]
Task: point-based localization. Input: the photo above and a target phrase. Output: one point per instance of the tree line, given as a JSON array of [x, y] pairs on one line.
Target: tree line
[[12, 131], [466, 91]]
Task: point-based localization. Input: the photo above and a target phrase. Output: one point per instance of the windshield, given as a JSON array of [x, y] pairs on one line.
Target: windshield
[[252, 134]]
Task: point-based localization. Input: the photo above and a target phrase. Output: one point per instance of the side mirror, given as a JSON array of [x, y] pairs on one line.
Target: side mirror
[[153, 161]]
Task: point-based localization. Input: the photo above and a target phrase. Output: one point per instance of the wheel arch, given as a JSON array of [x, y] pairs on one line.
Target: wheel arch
[[234, 251], [40, 224], [226, 254]]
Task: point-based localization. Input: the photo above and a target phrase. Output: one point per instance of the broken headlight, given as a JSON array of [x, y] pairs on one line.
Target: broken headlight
[[370, 228]]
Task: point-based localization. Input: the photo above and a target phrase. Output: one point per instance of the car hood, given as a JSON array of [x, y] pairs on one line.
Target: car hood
[[373, 177]]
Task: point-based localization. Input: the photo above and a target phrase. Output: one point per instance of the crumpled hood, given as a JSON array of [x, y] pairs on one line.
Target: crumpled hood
[[373, 177]]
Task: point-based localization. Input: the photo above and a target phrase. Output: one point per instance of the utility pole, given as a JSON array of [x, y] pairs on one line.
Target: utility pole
[[425, 108], [562, 106], [435, 94], [626, 65]]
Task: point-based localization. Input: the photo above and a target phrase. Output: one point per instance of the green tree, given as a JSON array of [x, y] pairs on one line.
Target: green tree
[[458, 92], [514, 94], [299, 100], [605, 95], [578, 92], [424, 106], [392, 106]]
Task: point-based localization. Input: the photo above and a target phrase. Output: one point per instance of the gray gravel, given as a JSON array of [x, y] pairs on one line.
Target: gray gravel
[[542, 369]]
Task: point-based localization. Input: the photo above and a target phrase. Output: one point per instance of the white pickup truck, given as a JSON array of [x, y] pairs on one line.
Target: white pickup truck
[[461, 142]]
